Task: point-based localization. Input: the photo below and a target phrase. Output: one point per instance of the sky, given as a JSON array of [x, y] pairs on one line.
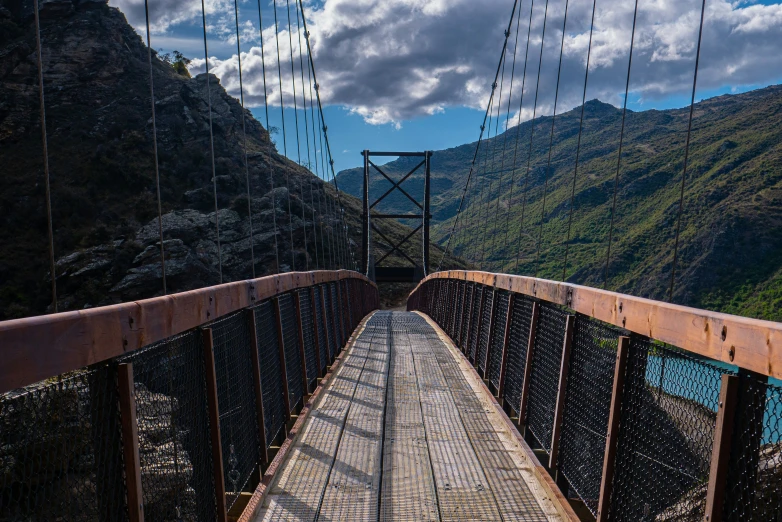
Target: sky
[[417, 74]]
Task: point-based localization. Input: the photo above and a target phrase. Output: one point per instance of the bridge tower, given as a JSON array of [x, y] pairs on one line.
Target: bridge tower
[[417, 269]]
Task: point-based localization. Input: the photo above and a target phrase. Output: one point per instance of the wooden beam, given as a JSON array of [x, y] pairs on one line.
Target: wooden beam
[[302, 353], [533, 327], [316, 331], [505, 344], [720, 455], [752, 344], [612, 437], [130, 455], [559, 410], [214, 425], [286, 397], [257, 387]]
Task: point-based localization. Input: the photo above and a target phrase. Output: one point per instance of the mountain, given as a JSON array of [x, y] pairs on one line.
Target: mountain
[[730, 250], [104, 201]]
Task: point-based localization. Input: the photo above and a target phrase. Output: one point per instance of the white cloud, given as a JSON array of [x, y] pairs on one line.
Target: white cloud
[[394, 60]]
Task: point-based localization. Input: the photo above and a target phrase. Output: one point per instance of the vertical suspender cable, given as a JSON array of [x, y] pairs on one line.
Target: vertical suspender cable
[[686, 153], [505, 134], [154, 143], [478, 146], [477, 214], [621, 142], [317, 169], [244, 135], [551, 141], [266, 108], [532, 134], [518, 125], [45, 144], [284, 139], [578, 146]]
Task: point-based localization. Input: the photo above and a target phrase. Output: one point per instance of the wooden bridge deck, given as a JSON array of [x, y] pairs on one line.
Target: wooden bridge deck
[[405, 430]]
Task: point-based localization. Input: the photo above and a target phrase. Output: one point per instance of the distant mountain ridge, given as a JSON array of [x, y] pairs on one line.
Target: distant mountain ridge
[[730, 253]]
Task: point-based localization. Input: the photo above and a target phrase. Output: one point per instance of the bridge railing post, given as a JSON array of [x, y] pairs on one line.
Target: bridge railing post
[[286, 399], [257, 388], [495, 298], [505, 345], [130, 452], [559, 409], [720, 456], [316, 330], [302, 354], [525, 383], [214, 425]]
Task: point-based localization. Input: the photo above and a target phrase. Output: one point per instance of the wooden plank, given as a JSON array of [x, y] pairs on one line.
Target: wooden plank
[[505, 344], [316, 331], [749, 343], [559, 410], [302, 356], [214, 425], [286, 398], [720, 456], [130, 455], [257, 387], [533, 327], [612, 438], [36, 348]]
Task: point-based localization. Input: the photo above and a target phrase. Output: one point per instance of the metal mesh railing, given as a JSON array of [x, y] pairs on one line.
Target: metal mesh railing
[[517, 350], [308, 333], [457, 313], [474, 320], [587, 407], [338, 330], [236, 401], [173, 429], [271, 370], [544, 379], [469, 289], [498, 339], [331, 322], [61, 450], [290, 340], [668, 416], [323, 336]]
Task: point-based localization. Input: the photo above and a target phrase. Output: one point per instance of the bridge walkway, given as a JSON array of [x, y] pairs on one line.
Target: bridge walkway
[[405, 430]]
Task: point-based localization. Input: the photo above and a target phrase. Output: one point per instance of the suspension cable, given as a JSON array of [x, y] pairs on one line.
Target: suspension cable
[[244, 134], [621, 142], [477, 214], [284, 139], [687, 152], [266, 108], [518, 124], [578, 146], [551, 141], [154, 144], [532, 133], [478, 146], [317, 169], [45, 145]]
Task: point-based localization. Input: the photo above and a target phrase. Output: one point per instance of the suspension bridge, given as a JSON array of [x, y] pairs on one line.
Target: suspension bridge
[[289, 395]]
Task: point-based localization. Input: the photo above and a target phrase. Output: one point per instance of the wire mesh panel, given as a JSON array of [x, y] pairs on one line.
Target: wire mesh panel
[[457, 312], [587, 407], [474, 320], [668, 416], [469, 290], [271, 370], [61, 449], [348, 308], [323, 335], [173, 429], [330, 321], [754, 485], [338, 329], [236, 402], [307, 328], [290, 340], [498, 338], [544, 379], [517, 350], [485, 333]]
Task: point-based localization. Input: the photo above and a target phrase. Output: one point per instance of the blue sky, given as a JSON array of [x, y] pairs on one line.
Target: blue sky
[[416, 74]]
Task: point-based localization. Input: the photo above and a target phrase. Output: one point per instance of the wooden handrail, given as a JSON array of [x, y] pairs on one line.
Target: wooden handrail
[[36, 348], [752, 344]]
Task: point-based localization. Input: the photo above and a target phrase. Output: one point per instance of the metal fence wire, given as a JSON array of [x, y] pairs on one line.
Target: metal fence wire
[[754, 491], [498, 338], [544, 378], [308, 333], [323, 336], [667, 422], [236, 402], [485, 333], [173, 429], [290, 340], [338, 329], [474, 320], [330, 322], [587, 407], [271, 370], [517, 350], [61, 449], [457, 313], [469, 289]]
